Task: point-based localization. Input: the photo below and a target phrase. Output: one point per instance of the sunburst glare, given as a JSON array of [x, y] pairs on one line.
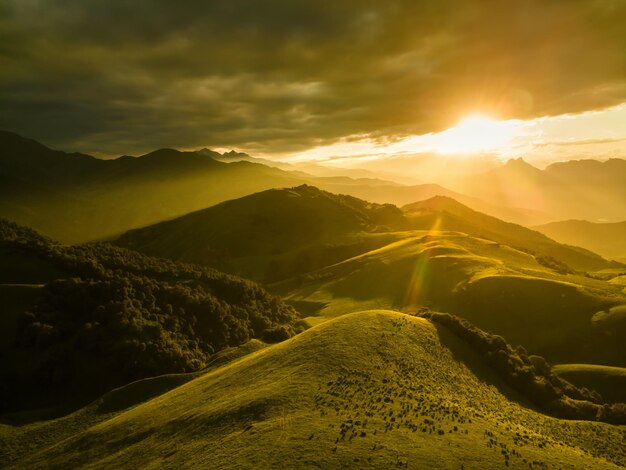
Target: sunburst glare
[[476, 133]]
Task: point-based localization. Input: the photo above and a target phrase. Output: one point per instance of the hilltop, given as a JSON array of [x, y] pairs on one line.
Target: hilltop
[[444, 213], [272, 234], [372, 389]]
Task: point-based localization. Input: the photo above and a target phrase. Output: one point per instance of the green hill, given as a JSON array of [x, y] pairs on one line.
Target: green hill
[[448, 214], [344, 254], [610, 382], [369, 390], [78, 321], [272, 234], [607, 239], [278, 234], [499, 288]]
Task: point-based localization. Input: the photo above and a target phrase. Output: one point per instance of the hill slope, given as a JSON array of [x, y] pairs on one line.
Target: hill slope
[[72, 317], [498, 288], [448, 214], [369, 390], [607, 239], [272, 234]]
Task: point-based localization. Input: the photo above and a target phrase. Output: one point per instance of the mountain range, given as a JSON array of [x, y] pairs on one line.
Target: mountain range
[[607, 239], [578, 189], [75, 197]]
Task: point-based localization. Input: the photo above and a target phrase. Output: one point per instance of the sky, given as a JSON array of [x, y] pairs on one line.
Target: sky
[[291, 78], [599, 134]]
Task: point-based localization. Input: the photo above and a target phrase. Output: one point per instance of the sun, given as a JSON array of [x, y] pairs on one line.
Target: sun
[[476, 133]]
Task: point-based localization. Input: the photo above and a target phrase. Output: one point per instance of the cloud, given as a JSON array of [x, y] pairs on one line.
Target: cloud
[[281, 76]]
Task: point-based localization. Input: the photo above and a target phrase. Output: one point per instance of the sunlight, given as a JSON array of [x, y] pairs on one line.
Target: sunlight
[[475, 133], [420, 276]]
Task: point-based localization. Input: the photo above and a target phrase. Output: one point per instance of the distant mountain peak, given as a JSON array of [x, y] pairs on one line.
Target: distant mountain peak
[[518, 163], [587, 164], [231, 154], [235, 154]]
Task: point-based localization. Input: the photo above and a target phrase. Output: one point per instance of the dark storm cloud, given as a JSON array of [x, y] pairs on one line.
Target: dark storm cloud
[[272, 75]]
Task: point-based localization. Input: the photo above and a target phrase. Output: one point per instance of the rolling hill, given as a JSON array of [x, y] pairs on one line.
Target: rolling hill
[[610, 382], [332, 255], [497, 287], [373, 389], [448, 214], [272, 234], [607, 239], [278, 234]]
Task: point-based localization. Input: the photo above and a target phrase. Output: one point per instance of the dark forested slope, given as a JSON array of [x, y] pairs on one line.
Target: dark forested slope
[[98, 316]]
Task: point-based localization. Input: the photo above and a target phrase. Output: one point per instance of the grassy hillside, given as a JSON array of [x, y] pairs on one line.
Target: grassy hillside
[[78, 321], [448, 214], [607, 239], [369, 390], [271, 235], [610, 382], [499, 288], [345, 254], [276, 234]]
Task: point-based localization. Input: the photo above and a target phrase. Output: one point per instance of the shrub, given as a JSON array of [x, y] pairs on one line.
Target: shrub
[[531, 375], [277, 334]]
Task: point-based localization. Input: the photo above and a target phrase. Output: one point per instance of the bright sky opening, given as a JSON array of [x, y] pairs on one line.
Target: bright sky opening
[[594, 134]]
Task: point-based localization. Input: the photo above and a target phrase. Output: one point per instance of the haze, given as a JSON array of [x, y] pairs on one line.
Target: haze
[[306, 234]]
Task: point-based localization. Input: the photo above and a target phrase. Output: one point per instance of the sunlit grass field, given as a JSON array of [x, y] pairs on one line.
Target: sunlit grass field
[[497, 287], [374, 389]]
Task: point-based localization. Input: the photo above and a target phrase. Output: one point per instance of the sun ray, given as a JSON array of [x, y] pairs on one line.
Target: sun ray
[[419, 276]]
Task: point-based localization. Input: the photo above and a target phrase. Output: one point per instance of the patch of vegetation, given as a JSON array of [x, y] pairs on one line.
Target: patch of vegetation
[[554, 264], [532, 376], [123, 316]]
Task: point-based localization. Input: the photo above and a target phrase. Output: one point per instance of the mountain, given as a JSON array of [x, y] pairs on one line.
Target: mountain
[[577, 189], [231, 155], [79, 321], [447, 214], [76, 198], [276, 234], [607, 239], [270, 235], [373, 389]]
